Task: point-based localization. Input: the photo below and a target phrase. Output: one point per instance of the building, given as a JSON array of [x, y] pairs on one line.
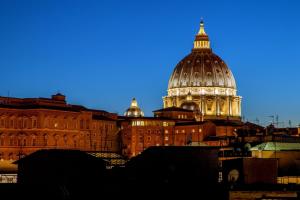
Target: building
[[31, 124], [201, 108], [202, 82]]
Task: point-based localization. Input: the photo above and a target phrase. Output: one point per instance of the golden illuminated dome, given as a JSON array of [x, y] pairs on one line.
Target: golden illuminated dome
[[134, 110], [202, 82], [201, 69]]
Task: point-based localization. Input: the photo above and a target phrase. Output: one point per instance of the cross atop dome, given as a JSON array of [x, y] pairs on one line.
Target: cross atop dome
[[201, 40], [201, 30]]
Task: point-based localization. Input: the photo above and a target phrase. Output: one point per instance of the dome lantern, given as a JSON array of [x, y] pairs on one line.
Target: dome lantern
[[201, 39]]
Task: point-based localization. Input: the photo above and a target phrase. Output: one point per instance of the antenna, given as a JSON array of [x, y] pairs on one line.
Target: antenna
[[272, 116]]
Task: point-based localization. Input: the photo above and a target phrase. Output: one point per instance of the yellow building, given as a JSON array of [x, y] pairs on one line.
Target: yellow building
[[202, 82]]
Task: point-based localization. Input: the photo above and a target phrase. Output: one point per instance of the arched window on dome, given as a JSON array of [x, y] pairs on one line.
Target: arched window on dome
[[175, 80], [220, 77], [185, 79], [209, 81], [196, 79]]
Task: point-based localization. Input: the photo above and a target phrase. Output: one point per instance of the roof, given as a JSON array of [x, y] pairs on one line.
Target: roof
[[102, 117], [253, 125], [145, 118], [227, 123], [60, 155], [51, 107], [278, 146], [190, 123], [169, 109]]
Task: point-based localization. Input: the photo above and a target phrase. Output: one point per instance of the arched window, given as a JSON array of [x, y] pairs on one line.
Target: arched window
[[25, 123], [11, 140], [2, 122], [11, 125], [65, 139], [2, 137], [34, 123], [20, 122], [56, 138], [45, 139], [33, 140], [81, 124], [75, 141], [87, 124]]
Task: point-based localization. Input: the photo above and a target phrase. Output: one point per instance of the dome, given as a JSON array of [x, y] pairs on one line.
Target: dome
[[202, 69], [134, 110], [188, 104], [202, 82]]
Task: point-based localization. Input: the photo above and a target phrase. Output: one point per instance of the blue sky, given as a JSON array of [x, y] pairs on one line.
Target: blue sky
[[102, 53]]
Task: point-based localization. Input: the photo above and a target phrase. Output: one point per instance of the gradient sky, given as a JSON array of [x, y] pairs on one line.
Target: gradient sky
[[100, 54]]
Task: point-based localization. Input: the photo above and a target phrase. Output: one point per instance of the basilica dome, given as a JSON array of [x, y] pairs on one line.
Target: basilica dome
[[202, 82], [201, 69]]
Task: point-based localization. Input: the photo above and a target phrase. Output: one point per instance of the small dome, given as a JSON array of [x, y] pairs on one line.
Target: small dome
[[189, 104], [134, 110]]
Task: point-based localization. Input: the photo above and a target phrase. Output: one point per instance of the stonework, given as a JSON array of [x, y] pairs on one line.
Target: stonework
[[30, 124]]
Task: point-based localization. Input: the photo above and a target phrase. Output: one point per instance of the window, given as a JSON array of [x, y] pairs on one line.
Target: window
[[65, 139], [87, 124], [34, 123], [45, 140], [2, 141], [166, 138], [33, 141], [149, 138], [20, 123], [81, 124], [166, 131], [75, 143], [25, 123], [141, 139]]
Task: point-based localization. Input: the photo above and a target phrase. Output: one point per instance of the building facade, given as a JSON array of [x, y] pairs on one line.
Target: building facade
[[31, 124]]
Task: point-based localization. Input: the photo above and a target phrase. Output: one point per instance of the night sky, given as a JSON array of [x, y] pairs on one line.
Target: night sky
[[101, 54]]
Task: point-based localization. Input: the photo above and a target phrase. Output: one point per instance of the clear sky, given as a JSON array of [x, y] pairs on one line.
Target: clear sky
[[102, 53]]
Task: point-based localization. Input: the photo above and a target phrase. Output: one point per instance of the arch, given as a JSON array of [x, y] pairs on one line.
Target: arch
[[45, 139]]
